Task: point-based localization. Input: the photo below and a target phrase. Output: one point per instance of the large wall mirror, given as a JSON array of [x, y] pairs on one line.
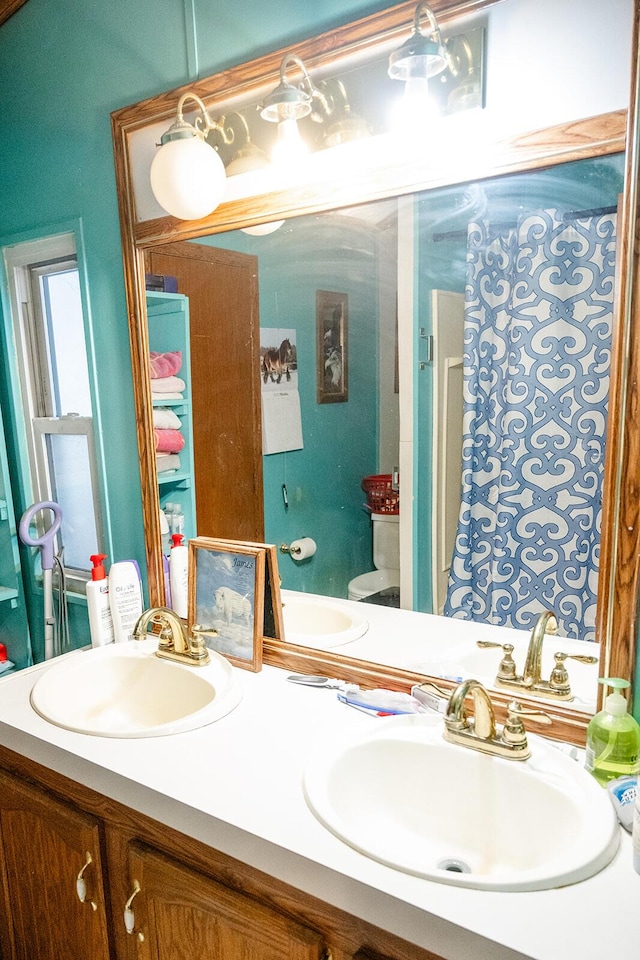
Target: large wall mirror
[[382, 250]]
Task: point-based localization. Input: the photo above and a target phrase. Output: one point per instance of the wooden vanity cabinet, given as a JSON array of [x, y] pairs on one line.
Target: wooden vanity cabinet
[[182, 914], [44, 847], [186, 900]]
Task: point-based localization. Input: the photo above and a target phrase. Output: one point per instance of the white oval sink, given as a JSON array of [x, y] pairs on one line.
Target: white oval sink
[[404, 796], [124, 690], [315, 622]]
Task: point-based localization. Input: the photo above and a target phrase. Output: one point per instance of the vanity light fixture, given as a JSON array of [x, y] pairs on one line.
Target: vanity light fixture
[[342, 124], [286, 105], [422, 56], [187, 174], [246, 160]]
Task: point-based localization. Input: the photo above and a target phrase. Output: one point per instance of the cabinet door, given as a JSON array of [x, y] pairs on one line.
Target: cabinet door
[[44, 846], [181, 915]]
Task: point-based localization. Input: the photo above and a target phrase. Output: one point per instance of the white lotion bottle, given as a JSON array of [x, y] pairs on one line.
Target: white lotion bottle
[[179, 575], [125, 598], [100, 619]]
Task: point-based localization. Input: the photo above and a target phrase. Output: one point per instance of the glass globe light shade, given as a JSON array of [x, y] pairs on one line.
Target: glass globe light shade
[[262, 229], [187, 178]]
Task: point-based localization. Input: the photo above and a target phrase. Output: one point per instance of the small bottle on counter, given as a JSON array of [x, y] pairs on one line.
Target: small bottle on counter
[[125, 598], [179, 575], [98, 607]]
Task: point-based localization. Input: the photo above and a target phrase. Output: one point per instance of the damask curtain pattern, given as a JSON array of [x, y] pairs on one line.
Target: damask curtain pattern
[[538, 315]]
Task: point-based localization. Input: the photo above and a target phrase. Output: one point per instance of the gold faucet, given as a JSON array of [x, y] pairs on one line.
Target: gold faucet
[[175, 642], [481, 732], [546, 623], [557, 687]]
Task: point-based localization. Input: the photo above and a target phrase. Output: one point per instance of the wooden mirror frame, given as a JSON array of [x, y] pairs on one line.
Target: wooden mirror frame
[[598, 136]]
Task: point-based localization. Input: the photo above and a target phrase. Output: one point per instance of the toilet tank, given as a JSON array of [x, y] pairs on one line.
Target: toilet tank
[[386, 541]]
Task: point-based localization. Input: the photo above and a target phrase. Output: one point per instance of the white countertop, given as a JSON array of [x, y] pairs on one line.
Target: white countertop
[[236, 786]]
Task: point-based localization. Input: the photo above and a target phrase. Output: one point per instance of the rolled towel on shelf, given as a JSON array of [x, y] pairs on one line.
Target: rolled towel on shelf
[[164, 419], [167, 462], [168, 385], [168, 441], [164, 364]]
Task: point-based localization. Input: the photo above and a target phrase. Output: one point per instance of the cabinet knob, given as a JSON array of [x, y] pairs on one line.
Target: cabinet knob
[[81, 883]]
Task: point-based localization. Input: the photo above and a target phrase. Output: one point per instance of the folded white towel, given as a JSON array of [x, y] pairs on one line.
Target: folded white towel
[[167, 396], [168, 385], [164, 419], [167, 461]]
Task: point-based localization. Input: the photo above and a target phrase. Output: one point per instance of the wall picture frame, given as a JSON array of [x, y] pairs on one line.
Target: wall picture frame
[[226, 598], [332, 329]]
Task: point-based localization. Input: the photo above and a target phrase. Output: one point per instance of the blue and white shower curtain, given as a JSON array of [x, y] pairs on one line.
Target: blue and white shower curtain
[[538, 314]]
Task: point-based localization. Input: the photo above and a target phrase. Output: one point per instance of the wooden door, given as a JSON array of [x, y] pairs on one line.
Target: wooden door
[[181, 915], [222, 287], [43, 848]]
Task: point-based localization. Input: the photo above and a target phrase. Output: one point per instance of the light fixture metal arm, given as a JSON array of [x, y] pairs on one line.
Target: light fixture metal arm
[[202, 125], [307, 85], [424, 8]]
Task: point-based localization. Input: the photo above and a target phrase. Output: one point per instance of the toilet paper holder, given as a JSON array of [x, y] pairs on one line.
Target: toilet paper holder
[[301, 549], [291, 548]]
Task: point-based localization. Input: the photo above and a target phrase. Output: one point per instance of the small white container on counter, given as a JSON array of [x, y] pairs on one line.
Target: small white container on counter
[[125, 598]]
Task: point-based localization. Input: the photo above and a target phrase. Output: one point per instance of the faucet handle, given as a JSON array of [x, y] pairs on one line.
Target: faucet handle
[[197, 646], [507, 669], [514, 731], [580, 657], [559, 679]]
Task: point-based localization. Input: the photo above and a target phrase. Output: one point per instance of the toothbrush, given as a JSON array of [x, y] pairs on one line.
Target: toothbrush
[[381, 710]]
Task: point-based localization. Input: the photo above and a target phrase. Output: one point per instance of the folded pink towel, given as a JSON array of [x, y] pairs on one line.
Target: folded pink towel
[[168, 441], [164, 364], [168, 385]]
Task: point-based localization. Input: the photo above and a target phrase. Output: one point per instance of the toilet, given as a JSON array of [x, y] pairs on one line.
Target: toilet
[[386, 558]]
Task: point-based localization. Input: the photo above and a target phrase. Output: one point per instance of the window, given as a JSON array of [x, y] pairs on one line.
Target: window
[[53, 372]]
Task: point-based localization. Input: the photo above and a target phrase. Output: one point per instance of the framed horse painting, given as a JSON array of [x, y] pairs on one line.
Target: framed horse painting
[[332, 319]]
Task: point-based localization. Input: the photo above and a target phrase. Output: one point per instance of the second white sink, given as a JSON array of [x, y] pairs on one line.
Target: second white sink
[[316, 622], [404, 796]]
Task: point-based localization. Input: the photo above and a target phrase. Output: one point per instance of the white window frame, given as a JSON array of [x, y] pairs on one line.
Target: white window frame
[[22, 262]]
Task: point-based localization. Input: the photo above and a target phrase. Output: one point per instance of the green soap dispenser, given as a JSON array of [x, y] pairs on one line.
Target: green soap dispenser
[[613, 737]]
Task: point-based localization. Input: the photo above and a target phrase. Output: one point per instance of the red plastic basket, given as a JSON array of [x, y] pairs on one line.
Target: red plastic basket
[[381, 497]]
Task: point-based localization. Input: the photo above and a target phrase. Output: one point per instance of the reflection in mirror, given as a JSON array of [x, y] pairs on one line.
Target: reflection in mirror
[[324, 182], [500, 295]]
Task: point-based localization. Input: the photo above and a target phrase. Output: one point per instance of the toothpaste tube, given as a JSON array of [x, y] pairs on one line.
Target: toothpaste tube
[[432, 698]]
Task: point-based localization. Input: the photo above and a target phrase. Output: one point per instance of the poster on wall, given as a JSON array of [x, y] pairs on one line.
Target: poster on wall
[[281, 418]]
